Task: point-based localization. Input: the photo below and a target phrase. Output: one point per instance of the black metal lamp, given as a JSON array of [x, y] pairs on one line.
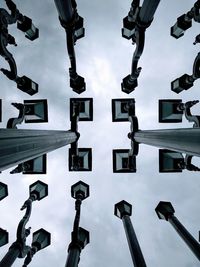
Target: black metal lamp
[[81, 109], [26, 25], [27, 85]]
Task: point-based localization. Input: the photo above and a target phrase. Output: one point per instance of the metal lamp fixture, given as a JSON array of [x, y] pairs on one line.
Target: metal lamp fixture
[[79, 236], [165, 211], [123, 210]]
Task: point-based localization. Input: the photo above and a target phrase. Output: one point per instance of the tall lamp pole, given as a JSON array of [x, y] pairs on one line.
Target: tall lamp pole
[[123, 210], [134, 27], [165, 211], [73, 25], [41, 238], [79, 236]]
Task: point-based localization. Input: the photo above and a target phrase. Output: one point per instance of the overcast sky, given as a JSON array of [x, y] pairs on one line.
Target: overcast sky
[[104, 58]]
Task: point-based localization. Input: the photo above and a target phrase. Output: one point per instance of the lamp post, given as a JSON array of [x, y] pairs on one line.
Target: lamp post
[[184, 140], [24, 24], [134, 27], [73, 25], [79, 236], [41, 238], [123, 210], [165, 211]]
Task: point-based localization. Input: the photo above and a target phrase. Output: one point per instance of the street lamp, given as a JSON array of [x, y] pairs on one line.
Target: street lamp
[[79, 236], [134, 27], [184, 22], [165, 211], [25, 24], [179, 140], [81, 109], [73, 25], [41, 238], [123, 210], [186, 81]]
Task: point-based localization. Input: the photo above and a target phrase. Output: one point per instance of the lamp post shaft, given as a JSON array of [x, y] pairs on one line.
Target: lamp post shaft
[[17, 146], [65, 9], [182, 140], [10, 257], [73, 257], [186, 236], [136, 253], [148, 10]]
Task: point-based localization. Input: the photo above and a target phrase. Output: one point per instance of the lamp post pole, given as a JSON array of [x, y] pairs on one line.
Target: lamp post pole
[[123, 210], [166, 211], [17, 146], [182, 140], [79, 236]]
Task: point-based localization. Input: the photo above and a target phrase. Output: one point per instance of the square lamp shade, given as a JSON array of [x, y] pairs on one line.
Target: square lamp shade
[[36, 166], [122, 208], [170, 161], [26, 85], [39, 189], [79, 29], [123, 162], [128, 29], [168, 111], [36, 111], [122, 109], [80, 188], [41, 239], [82, 161], [181, 26], [85, 108], [31, 32]]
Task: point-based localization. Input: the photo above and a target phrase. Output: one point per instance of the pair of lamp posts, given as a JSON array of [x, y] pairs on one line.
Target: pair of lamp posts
[[165, 211], [41, 238], [181, 140]]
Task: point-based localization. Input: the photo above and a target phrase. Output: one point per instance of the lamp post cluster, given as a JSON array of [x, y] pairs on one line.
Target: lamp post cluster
[[79, 236], [25, 25]]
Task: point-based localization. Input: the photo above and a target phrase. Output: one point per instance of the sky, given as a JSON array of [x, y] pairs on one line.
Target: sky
[[103, 58]]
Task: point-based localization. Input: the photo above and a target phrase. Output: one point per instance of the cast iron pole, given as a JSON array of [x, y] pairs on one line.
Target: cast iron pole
[[185, 140], [17, 146], [185, 235], [134, 247]]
